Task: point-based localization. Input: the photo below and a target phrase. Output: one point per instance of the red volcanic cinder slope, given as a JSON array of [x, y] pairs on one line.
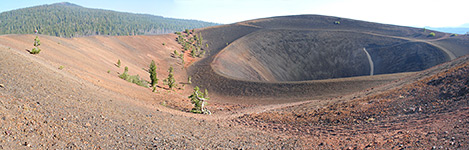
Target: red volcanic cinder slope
[[291, 82]]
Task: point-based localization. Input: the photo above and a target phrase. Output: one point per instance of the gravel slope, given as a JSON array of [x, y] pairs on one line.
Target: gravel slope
[[43, 107]]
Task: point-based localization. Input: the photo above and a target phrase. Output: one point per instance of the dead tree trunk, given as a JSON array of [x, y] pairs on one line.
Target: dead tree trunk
[[202, 100]]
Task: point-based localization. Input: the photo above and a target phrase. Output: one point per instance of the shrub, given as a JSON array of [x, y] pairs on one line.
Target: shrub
[[136, 80], [337, 22], [125, 74], [133, 79], [432, 34], [35, 50], [61, 67]]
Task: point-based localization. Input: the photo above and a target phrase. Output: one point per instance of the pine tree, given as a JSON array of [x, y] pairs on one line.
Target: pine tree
[[170, 81], [153, 74]]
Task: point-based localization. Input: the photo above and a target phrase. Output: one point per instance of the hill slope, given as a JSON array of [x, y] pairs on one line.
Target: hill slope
[[70, 20], [42, 107]]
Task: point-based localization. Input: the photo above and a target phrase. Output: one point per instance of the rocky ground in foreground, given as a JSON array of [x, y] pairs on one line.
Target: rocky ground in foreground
[[428, 114]]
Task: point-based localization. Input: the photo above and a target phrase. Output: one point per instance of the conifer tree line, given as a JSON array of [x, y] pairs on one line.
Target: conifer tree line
[[70, 20]]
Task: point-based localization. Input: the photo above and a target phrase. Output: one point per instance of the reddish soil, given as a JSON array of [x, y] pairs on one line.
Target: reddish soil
[[82, 106], [431, 112]]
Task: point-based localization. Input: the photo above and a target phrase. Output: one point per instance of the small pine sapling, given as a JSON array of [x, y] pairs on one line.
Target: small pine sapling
[[170, 81], [125, 74], [36, 48]]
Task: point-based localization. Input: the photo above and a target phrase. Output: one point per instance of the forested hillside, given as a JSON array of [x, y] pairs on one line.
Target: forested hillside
[[70, 20]]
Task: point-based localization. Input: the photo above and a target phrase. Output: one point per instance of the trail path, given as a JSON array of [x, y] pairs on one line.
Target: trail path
[[371, 62], [449, 53]]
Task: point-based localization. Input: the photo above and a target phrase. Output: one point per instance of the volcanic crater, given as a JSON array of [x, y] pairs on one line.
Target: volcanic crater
[[300, 55], [297, 55]]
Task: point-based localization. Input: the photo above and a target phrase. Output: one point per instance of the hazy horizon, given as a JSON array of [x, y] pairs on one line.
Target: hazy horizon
[[418, 13]]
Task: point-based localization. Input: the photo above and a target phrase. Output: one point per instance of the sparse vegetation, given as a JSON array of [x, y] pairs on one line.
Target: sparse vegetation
[[199, 100], [170, 81], [133, 79], [61, 67], [153, 74], [191, 41], [36, 48]]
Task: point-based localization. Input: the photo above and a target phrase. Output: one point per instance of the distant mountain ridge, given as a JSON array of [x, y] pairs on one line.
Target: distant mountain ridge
[[71, 20]]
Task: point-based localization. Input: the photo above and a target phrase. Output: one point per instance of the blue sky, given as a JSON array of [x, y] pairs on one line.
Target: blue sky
[[416, 13]]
